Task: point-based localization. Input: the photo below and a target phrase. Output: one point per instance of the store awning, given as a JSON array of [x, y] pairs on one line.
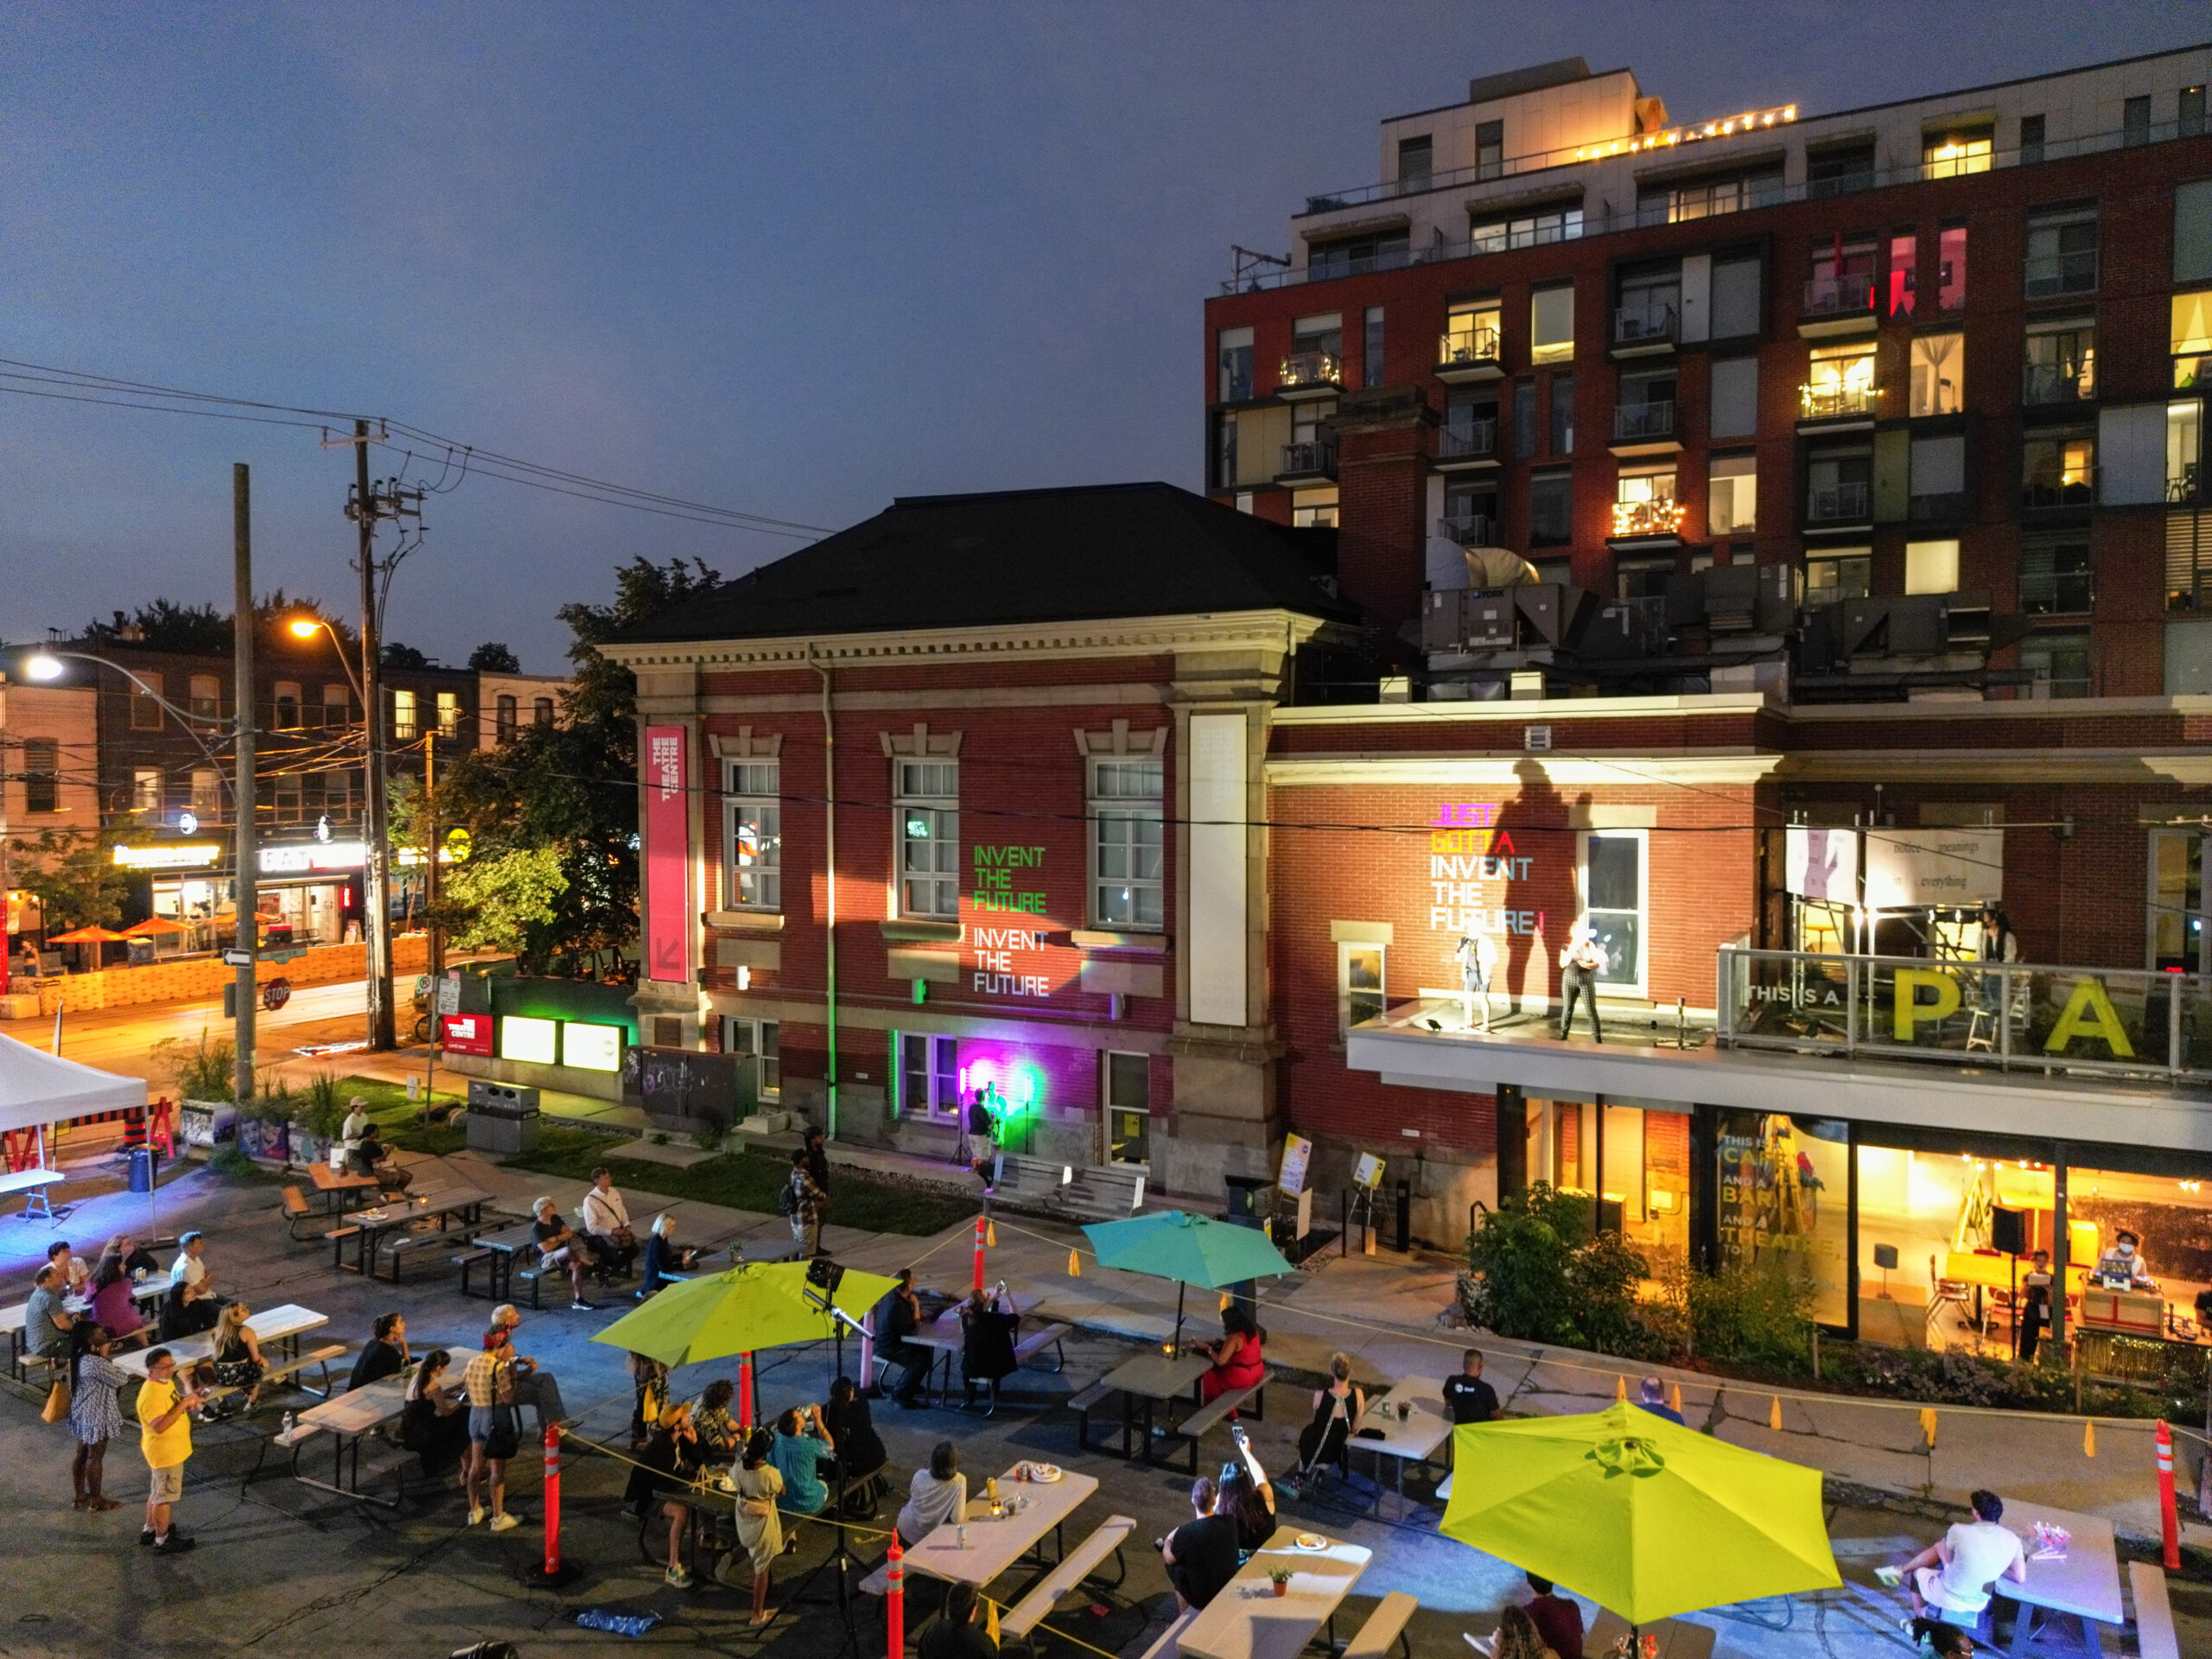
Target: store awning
[[39, 1088]]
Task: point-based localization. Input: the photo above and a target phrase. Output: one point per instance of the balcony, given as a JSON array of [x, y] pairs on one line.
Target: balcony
[[1466, 445], [1313, 461], [1469, 529], [1646, 524], [2050, 275], [1645, 429], [1305, 375], [1837, 504], [1842, 402], [2073, 489], [2056, 383], [1468, 354], [1645, 330], [1836, 305]]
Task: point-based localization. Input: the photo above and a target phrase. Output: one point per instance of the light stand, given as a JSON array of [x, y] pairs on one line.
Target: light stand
[[822, 1277]]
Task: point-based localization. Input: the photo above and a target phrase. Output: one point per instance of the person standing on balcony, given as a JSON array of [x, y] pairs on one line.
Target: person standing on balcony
[[1581, 960], [1478, 954], [1998, 943]]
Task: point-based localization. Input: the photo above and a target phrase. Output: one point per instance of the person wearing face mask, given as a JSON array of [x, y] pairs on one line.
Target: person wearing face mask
[[2123, 1264]]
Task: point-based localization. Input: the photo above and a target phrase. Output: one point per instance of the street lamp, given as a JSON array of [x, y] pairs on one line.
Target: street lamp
[[47, 666]]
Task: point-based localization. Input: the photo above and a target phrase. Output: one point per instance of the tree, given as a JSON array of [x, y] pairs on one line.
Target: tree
[[510, 901], [201, 630], [493, 656], [395, 655], [569, 790], [75, 878]]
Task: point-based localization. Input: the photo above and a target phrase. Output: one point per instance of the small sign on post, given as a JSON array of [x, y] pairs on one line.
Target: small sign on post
[[237, 958]]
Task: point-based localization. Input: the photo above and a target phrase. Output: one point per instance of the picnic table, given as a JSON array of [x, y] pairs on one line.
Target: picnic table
[[1427, 1425], [35, 1182], [1247, 1620], [339, 1187], [368, 1229], [13, 1319], [506, 1245], [348, 1419], [1145, 1383], [995, 1544], [2081, 1586], [283, 1325]]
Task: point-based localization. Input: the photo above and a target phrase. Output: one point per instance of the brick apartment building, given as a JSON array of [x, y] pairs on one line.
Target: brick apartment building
[[1165, 821]]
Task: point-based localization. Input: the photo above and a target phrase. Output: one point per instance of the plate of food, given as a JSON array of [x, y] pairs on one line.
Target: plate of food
[[1047, 1472], [1310, 1541]]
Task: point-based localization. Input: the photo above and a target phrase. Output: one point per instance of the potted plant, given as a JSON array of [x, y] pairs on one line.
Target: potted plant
[[320, 1114], [1280, 1576], [202, 1075], [265, 1122]]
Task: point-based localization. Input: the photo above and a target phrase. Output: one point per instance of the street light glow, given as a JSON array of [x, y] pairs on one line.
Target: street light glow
[[44, 666], [306, 627]]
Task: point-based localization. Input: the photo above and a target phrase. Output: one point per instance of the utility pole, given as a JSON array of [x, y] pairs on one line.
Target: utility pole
[[376, 933], [246, 901], [431, 852]]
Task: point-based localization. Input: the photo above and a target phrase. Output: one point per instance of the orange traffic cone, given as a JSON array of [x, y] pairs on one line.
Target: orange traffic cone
[[2090, 1438], [1774, 1413], [1075, 1266], [1620, 1389], [1674, 1400]]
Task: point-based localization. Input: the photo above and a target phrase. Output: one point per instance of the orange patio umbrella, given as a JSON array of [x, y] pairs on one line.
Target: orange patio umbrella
[[87, 936], [152, 926]]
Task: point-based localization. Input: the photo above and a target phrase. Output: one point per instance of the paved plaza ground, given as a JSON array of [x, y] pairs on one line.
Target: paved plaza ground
[[284, 1569]]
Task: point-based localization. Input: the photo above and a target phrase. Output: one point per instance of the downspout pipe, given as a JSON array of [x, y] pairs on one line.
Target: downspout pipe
[[830, 853]]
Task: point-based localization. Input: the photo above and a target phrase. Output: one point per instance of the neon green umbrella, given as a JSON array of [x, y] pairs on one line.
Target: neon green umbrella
[[1641, 1515], [1189, 1249], [752, 1306]]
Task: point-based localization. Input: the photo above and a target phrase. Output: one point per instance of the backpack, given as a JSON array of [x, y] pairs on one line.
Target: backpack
[[787, 1200]]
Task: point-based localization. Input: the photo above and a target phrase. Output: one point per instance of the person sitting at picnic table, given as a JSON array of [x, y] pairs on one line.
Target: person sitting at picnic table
[[1515, 1637], [1201, 1555], [46, 1324], [648, 1395], [356, 1124], [384, 1355], [1247, 1501], [1237, 1362], [1939, 1640], [1955, 1574], [434, 1417], [606, 1223], [1469, 1399], [954, 1634], [1651, 1395], [371, 1157], [191, 1266], [720, 1437], [1558, 1619], [238, 1364], [95, 1415], [75, 1269], [987, 1328], [803, 1456], [115, 1304], [898, 1316], [852, 1431], [660, 1468], [1337, 1407], [937, 1494], [759, 1526], [533, 1385], [665, 1257], [187, 1311], [559, 1247]]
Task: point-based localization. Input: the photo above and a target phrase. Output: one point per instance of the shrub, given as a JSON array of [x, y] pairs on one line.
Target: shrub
[[707, 1137], [200, 1070], [227, 1160], [324, 1114], [1535, 1273], [1755, 1314]]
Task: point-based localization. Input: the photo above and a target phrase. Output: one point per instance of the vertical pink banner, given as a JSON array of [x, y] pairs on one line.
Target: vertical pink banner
[[668, 853]]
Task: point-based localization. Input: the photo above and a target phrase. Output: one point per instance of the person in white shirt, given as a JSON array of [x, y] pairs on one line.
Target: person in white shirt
[[1956, 1575], [356, 1124], [190, 1268], [606, 1223], [1581, 959], [1478, 954], [2123, 1263]]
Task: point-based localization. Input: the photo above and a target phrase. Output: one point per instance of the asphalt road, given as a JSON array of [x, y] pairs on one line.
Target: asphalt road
[[126, 1040]]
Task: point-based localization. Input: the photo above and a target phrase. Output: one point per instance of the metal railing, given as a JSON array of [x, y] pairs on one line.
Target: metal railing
[[1836, 504], [1826, 403], [1467, 346], [2013, 1016], [1645, 324], [1659, 518], [2056, 383], [1313, 458], [2043, 493], [1310, 369], [2054, 274], [1466, 440], [1468, 529], [1831, 296], [1652, 420]]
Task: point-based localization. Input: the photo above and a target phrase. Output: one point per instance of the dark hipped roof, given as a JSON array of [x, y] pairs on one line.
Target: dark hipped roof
[[1022, 556]]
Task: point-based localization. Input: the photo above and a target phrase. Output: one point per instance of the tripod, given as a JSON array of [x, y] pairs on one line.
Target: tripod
[[840, 1559]]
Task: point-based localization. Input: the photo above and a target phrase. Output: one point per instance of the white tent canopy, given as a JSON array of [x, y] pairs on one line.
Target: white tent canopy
[[40, 1088]]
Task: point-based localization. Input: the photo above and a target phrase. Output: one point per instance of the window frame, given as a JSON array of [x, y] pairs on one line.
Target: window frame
[[1109, 1108], [2057, 221], [506, 716], [763, 794], [1923, 356], [1134, 809], [764, 1041], [2041, 638], [204, 696], [2152, 957], [449, 711], [939, 1104], [406, 714], [1554, 351], [2056, 581], [145, 705], [1642, 841], [1740, 466], [942, 832], [1563, 476], [1379, 993], [1844, 561], [41, 774], [148, 788]]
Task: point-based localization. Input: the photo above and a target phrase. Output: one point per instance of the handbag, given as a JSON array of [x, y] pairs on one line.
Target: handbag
[[57, 1402], [505, 1438]]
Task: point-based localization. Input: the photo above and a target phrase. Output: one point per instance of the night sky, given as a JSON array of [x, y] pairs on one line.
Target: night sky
[[794, 260]]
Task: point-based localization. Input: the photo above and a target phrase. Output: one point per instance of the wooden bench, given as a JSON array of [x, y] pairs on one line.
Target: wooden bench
[[336, 1238], [1075, 1566], [1031, 1180], [2155, 1637], [397, 1250], [1209, 1416], [1385, 1625], [468, 1261], [1082, 1405], [297, 1210], [1107, 1191], [1167, 1647]]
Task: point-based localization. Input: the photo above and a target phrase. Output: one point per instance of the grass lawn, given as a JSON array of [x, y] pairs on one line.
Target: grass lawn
[[394, 1115], [746, 1181]]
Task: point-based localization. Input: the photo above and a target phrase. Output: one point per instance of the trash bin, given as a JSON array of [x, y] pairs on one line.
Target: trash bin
[[141, 1169], [1251, 1200], [502, 1117]]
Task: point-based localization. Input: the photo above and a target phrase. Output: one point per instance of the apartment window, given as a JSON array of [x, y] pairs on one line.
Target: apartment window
[[338, 794], [1735, 397], [1674, 204], [2060, 663], [1371, 350], [1524, 419], [1931, 567], [1313, 509], [1525, 230], [1643, 502], [1646, 579], [1840, 380], [1322, 334], [541, 711], [1951, 267], [759, 1040], [1833, 574], [1562, 390], [1357, 256], [286, 699], [1651, 304], [1471, 516], [1470, 426], [1736, 285], [1225, 451], [1646, 409], [1612, 893], [1731, 495], [504, 718], [1415, 156], [206, 791], [1839, 169], [2192, 112], [1838, 482], [2062, 362], [1551, 325], [2176, 926], [1360, 996], [1939, 374], [145, 789], [1128, 1108], [207, 697], [2191, 343], [2135, 121], [1127, 804], [1551, 509], [287, 787], [1904, 265], [448, 714], [2059, 470], [1842, 276], [2031, 134], [2184, 452], [753, 836], [2193, 232], [929, 1076], [403, 714], [2062, 252], [42, 775], [1470, 331], [1234, 375], [1937, 479], [1490, 148], [2055, 578], [1951, 155], [337, 705], [145, 711], [926, 804]]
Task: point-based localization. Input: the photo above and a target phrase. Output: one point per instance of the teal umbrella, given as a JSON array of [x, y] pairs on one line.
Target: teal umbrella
[[1189, 1249]]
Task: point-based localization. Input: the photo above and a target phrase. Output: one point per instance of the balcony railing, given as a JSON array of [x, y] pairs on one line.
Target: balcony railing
[[1835, 504], [1467, 346], [1314, 457], [1644, 325], [1468, 440], [1310, 369], [1827, 403], [2013, 1016], [1659, 518], [1652, 420], [1837, 297], [2056, 383], [1468, 529], [2045, 492], [2052, 274]]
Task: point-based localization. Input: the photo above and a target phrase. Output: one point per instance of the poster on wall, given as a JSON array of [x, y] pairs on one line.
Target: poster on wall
[[1783, 1199], [467, 1033], [668, 854], [1821, 864], [1909, 869]]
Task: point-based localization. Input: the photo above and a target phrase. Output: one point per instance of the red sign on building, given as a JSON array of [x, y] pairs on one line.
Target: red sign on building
[[469, 1033], [667, 852]]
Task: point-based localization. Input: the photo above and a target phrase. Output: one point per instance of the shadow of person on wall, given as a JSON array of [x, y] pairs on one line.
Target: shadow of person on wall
[[1530, 904]]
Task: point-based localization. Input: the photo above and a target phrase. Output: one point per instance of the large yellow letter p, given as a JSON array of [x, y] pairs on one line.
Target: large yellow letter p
[[1910, 1010]]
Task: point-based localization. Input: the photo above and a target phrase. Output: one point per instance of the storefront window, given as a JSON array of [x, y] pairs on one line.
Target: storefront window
[[1783, 1197], [2153, 1292]]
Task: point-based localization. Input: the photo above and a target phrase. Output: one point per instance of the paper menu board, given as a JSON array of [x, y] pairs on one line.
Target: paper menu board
[[1367, 1172], [1297, 1154]]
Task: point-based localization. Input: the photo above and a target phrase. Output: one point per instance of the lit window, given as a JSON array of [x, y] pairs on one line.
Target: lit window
[[1904, 264], [2062, 362], [2176, 922], [2191, 345], [926, 808], [1612, 894], [145, 789], [1840, 380], [1931, 567], [758, 1041], [2184, 452], [206, 791], [1939, 374], [1643, 504], [929, 1076], [1360, 994], [448, 714], [1128, 1109], [1551, 325], [1838, 574], [2059, 470], [753, 850], [1470, 332], [1951, 267], [1731, 495], [1128, 793], [1313, 509], [1526, 230], [403, 715], [1947, 155]]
